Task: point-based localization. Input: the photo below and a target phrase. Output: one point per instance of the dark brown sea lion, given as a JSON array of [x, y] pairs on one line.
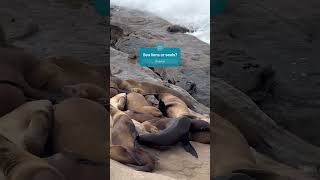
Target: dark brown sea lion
[[199, 130], [75, 166], [178, 131], [123, 148], [80, 127], [136, 102], [28, 126], [18, 164]]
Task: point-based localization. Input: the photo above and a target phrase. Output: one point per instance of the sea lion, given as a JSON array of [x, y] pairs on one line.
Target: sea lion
[[139, 116], [177, 132], [76, 166], [172, 106], [18, 164], [82, 119], [119, 101], [146, 88], [123, 148], [199, 130], [231, 150], [85, 90], [15, 69], [28, 126], [57, 72], [137, 102]]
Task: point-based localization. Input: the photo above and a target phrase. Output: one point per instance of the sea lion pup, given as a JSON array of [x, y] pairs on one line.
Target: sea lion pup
[[177, 132], [78, 167], [18, 164], [123, 148], [28, 126], [85, 90], [57, 72], [137, 102], [172, 106], [82, 119], [119, 101], [146, 88]]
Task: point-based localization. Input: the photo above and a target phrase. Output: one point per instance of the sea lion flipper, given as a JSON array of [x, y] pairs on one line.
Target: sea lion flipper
[[188, 147], [162, 107]]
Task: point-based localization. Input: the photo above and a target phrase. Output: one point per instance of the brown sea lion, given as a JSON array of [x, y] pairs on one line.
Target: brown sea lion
[[28, 126], [137, 102], [18, 164], [232, 154], [16, 67], [54, 73], [80, 127], [123, 148], [119, 101], [75, 166], [178, 131], [139, 116], [85, 90], [172, 106], [146, 88]]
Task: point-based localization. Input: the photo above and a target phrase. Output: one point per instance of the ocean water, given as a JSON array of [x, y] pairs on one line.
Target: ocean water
[[192, 14]]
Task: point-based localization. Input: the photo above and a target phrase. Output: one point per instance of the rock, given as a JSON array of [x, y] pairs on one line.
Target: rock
[[146, 30], [177, 28], [261, 38]]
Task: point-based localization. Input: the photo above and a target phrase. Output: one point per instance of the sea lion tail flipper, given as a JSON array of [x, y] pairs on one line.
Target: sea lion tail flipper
[[188, 147]]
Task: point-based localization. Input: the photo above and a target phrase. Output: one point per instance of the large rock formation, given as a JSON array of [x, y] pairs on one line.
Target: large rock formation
[[133, 29]]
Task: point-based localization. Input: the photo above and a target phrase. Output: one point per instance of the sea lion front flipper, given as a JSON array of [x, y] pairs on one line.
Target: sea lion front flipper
[[187, 146], [162, 107]]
